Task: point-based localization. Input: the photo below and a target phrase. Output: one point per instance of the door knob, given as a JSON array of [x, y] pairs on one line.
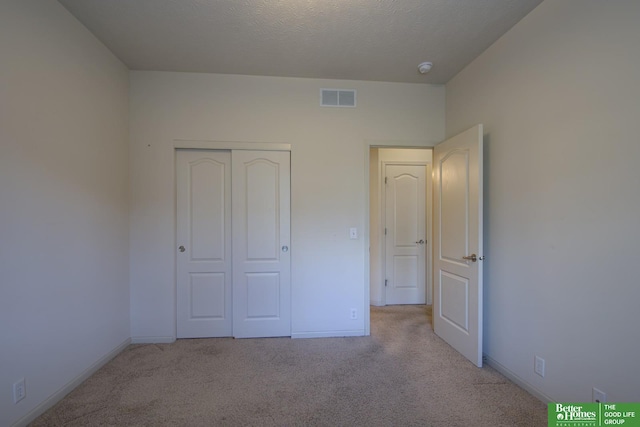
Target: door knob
[[471, 257], [420, 242], [285, 248], [181, 248]]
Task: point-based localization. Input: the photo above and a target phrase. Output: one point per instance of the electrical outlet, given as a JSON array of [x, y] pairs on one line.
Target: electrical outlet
[[19, 390], [599, 396], [539, 366], [354, 314]]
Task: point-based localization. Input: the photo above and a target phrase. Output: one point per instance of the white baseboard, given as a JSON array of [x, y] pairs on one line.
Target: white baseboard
[[376, 303], [152, 340], [329, 334], [517, 380], [68, 388]]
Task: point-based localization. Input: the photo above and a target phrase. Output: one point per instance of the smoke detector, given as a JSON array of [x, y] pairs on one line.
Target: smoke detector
[[425, 67]]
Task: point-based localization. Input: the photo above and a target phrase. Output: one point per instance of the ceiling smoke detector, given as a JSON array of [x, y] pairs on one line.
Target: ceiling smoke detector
[[425, 67]]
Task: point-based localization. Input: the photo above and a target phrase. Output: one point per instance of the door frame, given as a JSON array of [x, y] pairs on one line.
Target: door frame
[[188, 144], [368, 145]]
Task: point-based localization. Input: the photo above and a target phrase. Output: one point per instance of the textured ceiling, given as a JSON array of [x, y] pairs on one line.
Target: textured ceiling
[[381, 40]]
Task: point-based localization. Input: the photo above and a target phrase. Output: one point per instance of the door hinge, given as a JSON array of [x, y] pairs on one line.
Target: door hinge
[[385, 231], [385, 282], [385, 179]]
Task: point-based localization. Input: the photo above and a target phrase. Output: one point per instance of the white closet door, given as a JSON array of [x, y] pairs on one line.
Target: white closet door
[[203, 253], [261, 239]]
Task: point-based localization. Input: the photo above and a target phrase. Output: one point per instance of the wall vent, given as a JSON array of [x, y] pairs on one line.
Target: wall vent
[[337, 98]]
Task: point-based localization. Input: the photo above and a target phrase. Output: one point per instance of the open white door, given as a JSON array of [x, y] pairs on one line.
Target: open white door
[[457, 260]]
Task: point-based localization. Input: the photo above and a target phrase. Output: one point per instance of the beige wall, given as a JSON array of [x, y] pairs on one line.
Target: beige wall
[[329, 182], [64, 293], [559, 97]]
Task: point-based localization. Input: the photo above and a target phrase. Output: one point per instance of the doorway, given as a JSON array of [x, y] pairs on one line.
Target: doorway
[[457, 227], [400, 225]]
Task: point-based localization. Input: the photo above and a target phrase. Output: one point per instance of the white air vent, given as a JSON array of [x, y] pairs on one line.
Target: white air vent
[[337, 98]]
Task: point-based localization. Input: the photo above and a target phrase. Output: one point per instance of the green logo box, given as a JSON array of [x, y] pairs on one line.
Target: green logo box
[[593, 414]]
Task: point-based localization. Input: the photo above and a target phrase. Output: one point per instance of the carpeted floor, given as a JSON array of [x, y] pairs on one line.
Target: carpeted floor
[[402, 375]]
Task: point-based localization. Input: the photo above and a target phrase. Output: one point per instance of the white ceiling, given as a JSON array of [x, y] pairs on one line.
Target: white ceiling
[[381, 40]]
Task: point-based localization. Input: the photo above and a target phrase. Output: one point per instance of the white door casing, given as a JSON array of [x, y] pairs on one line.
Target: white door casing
[[203, 260], [261, 240], [406, 234], [457, 308]]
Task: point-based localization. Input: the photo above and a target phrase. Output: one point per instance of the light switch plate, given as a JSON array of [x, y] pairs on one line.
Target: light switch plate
[[19, 390]]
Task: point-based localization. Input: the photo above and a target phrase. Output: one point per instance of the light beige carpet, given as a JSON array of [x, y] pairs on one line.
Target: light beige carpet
[[402, 375]]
